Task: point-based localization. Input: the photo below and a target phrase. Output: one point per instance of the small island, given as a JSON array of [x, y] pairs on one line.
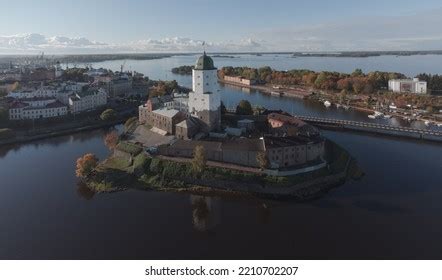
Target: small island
[[192, 143], [183, 70]]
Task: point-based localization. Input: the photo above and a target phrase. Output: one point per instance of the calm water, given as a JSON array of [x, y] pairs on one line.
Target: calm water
[[231, 95], [394, 211]]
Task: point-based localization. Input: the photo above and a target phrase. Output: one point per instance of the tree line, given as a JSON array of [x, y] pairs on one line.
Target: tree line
[[357, 82]]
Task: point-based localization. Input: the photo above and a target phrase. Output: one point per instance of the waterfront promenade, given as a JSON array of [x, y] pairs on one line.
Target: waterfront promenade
[[382, 129]]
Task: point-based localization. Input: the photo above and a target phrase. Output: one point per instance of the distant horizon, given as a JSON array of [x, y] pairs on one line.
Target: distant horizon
[[91, 27], [224, 52]]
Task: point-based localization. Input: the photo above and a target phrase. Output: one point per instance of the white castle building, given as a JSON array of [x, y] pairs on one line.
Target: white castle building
[[204, 99], [200, 111]]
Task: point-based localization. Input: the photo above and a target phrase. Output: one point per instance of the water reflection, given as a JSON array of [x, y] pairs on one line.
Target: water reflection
[[84, 191], [264, 213], [206, 214], [54, 142]]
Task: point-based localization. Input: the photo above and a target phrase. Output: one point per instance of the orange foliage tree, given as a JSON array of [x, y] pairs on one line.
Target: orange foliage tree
[[85, 165], [111, 140]]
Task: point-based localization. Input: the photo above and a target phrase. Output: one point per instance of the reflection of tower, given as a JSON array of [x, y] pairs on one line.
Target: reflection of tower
[[204, 99], [264, 213], [205, 212]]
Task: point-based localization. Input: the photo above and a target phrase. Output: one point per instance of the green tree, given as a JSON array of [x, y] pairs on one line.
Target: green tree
[[262, 160], [357, 73], [130, 124], [223, 108], [199, 160], [320, 80], [108, 115], [244, 108], [3, 114]]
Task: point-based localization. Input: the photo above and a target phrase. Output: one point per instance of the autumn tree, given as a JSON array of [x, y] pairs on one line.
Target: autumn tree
[[262, 160], [199, 159], [358, 85], [85, 165], [15, 86], [344, 84], [111, 140]]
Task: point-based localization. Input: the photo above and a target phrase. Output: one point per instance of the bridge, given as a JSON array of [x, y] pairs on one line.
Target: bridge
[[399, 131]]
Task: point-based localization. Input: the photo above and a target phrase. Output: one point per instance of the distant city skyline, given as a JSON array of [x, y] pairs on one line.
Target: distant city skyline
[[62, 27]]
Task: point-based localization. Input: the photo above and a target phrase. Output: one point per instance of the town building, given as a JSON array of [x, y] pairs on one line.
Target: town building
[[408, 86], [290, 151], [87, 99], [166, 119], [120, 85], [239, 80], [36, 109], [286, 125]]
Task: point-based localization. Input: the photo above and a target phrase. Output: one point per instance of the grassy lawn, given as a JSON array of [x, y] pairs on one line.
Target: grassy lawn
[[129, 148], [115, 163]]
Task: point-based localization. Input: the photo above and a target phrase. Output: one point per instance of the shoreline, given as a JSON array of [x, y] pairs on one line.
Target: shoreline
[[69, 131], [314, 96], [156, 173], [268, 89]]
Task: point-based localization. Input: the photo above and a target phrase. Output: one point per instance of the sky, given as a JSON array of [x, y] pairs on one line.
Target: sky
[[110, 26]]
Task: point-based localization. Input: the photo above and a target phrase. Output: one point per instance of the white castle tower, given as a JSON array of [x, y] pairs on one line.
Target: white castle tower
[[204, 99]]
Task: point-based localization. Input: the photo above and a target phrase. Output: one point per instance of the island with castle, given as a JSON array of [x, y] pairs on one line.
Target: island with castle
[[190, 142]]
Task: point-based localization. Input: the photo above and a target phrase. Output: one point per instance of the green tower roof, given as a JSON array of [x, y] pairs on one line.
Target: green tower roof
[[204, 62]]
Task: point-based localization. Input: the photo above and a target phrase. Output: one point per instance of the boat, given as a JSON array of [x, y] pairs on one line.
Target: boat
[[327, 103], [338, 105], [346, 107], [439, 125], [376, 115], [427, 123], [275, 93], [387, 116]]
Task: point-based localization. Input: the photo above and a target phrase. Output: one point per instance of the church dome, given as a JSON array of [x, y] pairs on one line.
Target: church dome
[[204, 62]]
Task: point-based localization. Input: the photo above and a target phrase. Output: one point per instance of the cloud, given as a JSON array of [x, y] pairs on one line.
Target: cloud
[[420, 31], [23, 43], [30, 43]]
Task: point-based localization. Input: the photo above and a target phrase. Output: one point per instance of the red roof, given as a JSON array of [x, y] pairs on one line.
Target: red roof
[[286, 119]]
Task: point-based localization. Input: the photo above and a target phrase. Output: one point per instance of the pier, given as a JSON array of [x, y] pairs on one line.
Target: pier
[[376, 128]]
